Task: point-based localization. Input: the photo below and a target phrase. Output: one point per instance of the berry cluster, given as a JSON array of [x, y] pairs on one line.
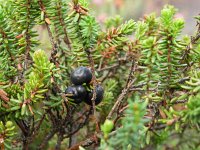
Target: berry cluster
[[79, 92]]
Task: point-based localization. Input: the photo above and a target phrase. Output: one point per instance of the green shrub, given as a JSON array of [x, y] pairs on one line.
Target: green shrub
[[149, 72]]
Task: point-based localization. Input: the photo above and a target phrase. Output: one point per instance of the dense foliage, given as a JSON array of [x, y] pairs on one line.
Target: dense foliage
[[147, 70]]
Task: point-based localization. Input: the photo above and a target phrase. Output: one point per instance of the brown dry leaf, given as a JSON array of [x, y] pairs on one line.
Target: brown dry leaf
[[160, 52], [52, 80], [19, 36], [31, 110], [170, 122], [48, 20], [2, 144], [162, 114], [19, 67], [179, 107], [5, 105], [2, 83], [3, 96]]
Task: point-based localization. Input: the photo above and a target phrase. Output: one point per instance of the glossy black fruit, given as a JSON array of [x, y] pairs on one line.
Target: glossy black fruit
[[99, 96], [81, 75], [77, 92], [71, 92], [82, 93]]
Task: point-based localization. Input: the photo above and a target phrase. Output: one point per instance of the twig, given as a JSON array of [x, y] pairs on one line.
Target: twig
[[59, 13], [142, 84], [80, 125], [28, 40], [141, 89], [46, 139], [53, 42], [139, 86], [38, 126], [130, 76], [120, 98], [91, 61], [22, 127], [59, 141], [25, 133], [91, 140], [120, 62], [85, 113], [180, 101], [193, 41], [159, 127], [123, 109], [125, 91], [181, 81], [109, 67], [32, 125]]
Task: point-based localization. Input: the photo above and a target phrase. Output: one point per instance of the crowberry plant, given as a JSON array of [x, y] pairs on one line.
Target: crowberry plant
[[145, 74]]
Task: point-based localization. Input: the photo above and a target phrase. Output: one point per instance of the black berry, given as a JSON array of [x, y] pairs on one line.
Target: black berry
[[99, 96], [81, 75], [77, 93], [71, 92], [82, 93]]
